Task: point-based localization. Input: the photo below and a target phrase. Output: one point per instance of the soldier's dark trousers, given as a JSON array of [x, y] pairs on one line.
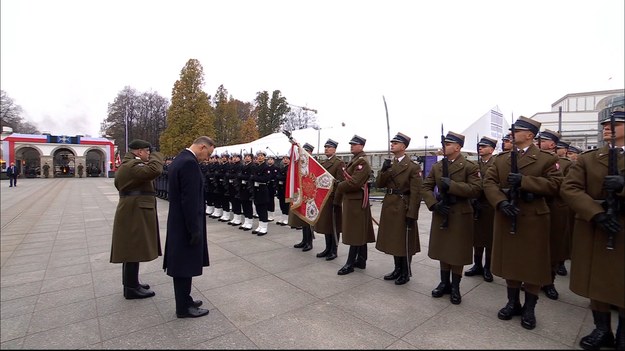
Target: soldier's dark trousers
[[271, 206], [182, 293], [361, 257], [225, 203], [248, 211], [236, 205], [261, 211], [284, 206], [308, 238], [329, 241]]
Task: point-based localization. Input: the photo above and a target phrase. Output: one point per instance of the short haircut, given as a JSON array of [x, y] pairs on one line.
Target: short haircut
[[204, 140]]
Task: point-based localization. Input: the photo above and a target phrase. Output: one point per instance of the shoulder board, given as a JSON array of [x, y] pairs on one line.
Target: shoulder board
[[548, 153], [587, 151]]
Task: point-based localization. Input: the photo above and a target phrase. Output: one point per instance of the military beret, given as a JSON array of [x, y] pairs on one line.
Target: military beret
[[452, 137], [486, 141], [524, 123], [331, 143], [549, 135], [401, 138], [308, 147], [139, 144], [358, 140]]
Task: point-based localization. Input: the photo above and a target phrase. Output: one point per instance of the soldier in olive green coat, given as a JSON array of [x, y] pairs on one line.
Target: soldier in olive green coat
[[398, 234], [522, 257], [598, 272], [135, 228], [353, 194], [329, 222], [452, 246]]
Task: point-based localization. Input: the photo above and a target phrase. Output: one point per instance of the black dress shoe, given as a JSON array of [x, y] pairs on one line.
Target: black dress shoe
[[475, 270], [360, 264], [307, 247], [192, 312], [137, 293], [394, 274], [145, 286], [488, 276], [299, 245], [562, 270], [324, 253], [346, 269], [331, 256], [509, 310], [441, 290], [402, 279], [550, 291]]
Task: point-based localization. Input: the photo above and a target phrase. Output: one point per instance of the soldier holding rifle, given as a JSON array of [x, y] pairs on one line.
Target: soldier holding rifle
[[398, 234], [520, 246], [451, 232], [593, 188]]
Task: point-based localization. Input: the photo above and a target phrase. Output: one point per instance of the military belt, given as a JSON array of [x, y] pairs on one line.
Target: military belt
[[396, 192], [136, 193]]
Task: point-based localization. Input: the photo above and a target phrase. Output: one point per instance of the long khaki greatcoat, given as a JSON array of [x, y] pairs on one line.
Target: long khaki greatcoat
[[334, 166], [523, 256], [483, 226], [357, 222], [453, 245], [596, 273], [559, 245], [135, 228], [393, 237]]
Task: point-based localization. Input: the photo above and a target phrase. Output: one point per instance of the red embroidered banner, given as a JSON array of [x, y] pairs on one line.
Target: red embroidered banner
[[308, 185]]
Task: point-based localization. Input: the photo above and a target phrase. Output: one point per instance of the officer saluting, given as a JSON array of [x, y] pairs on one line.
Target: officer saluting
[[522, 256], [597, 272], [353, 194], [398, 234]]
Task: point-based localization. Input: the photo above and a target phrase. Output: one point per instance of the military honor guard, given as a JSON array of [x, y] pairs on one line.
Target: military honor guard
[[234, 189], [520, 247], [572, 152], [506, 142], [398, 234], [261, 174], [451, 232], [210, 184], [271, 187], [598, 249], [280, 191], [483, 215], [353, 194], [329, 222], [246, 192]]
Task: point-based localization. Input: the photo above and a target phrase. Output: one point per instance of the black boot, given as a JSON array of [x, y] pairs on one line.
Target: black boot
[[477, 268], [361, 257], [561, 269], [396, 272], [308, 245], [303, 242], [132, 288], [550, 291], [488, 276], [328, 248], [333, 251], [513, 307], [404, 273], [444, 287], [528, 319], [455, 296], [620, 334], [351, 258], [602, 335]]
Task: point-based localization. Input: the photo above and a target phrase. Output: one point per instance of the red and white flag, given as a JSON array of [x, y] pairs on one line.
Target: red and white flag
[[308, 185]]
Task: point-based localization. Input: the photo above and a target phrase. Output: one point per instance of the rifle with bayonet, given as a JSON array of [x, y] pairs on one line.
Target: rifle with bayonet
[[475, 203], [442, 190], [611, 201], [513, 192]]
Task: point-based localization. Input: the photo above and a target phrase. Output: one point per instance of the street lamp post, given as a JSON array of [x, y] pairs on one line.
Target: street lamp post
[[425, 155]]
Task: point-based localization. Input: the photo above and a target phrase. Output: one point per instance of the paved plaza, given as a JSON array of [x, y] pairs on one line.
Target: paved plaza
[[58, 289]]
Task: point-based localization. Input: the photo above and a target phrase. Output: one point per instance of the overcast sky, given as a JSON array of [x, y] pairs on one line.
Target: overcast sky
[[434, 61]]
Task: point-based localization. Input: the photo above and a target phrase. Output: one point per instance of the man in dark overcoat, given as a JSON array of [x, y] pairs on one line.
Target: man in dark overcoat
[[483, 215], [135, 227], [522, 258], [398, 234], [186, 248], [329, 222], [353, 194], [598, 272], [453, 245]]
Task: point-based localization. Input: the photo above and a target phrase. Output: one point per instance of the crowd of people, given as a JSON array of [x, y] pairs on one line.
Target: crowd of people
[[518, 214]]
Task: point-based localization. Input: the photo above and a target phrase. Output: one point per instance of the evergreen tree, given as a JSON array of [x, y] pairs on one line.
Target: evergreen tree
[[190, 114], [227, 121], [271, 112]]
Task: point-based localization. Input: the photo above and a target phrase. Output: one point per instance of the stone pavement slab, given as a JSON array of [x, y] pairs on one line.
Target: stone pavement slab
[[58, 289]]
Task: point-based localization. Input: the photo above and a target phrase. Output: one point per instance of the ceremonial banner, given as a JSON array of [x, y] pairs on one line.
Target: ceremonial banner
[[308, 185]]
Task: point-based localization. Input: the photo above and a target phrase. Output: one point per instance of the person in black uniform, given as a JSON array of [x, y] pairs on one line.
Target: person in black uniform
[[246, 192], [271, 186], [218, 192], [261, 174], [210, 184], [234, 186], [281, 189], [226, 164]]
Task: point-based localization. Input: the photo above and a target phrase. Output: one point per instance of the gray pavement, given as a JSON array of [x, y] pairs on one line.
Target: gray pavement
[[58, 289]]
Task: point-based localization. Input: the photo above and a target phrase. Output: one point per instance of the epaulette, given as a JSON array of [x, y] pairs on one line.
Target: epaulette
[[502, 153]]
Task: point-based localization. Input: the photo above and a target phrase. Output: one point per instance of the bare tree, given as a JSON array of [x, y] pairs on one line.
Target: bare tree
[[299, 118], [11, 116]]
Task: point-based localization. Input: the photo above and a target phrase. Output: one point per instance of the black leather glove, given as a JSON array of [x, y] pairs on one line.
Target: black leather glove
[[441, 208], [386, 165], [196, 238], [477, 208], [508, 209], [445, 184], [514, 179], [607, 223], [613, 183], [410, 222]]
